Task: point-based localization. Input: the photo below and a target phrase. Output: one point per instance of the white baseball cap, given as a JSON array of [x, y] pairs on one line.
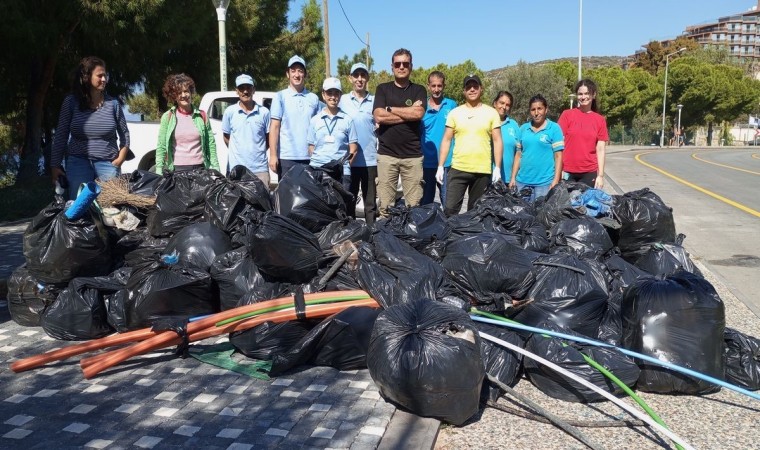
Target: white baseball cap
[[244, 79], [295, 59], [331, 83], [358, 66]]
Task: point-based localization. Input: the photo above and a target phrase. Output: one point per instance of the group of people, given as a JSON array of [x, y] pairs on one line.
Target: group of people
[[369, 142]]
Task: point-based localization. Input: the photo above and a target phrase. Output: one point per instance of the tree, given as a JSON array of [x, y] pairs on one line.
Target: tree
[[344, 63], [145, 105], [525, 80], [652, 59]]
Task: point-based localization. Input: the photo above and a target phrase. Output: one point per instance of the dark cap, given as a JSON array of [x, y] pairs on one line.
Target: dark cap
[[471, 77]]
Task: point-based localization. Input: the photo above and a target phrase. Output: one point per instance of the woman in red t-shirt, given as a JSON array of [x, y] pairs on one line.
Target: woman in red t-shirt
[[586, 137]]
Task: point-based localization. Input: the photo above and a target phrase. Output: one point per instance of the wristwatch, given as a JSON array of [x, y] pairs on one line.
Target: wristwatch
[[388, 108]]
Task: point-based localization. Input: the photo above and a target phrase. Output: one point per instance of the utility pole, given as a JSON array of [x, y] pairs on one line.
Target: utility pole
[[327, 38], [368, 67]]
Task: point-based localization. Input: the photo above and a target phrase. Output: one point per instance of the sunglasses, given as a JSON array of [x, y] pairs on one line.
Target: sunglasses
[[400, 64]]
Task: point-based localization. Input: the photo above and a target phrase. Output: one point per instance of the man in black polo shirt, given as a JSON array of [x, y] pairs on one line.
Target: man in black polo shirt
[[398, 110]]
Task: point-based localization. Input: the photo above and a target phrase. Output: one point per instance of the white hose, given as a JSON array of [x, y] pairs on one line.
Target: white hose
[[625, 406]]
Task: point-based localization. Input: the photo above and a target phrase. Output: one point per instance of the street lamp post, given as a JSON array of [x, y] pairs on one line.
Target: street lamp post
[[572, 96], [580, 34], [221, 15], [665, 94], [680, 134]]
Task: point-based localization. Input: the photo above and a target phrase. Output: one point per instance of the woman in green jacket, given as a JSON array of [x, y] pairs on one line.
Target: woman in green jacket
[[185, 139]]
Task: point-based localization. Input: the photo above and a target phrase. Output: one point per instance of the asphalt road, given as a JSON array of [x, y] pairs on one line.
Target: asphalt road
[[714, 196]]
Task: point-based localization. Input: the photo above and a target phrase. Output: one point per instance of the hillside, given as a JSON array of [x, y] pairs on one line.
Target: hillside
[[590, 62]]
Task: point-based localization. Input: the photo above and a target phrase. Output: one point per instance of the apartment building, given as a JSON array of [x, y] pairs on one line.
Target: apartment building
[[739, 34]]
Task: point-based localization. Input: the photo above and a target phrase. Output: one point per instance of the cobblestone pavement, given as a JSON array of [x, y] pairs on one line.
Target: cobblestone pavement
[[160, 401]]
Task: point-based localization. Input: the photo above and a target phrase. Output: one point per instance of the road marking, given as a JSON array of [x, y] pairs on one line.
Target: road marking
[[756, 155], [698, 188], [694, 155]]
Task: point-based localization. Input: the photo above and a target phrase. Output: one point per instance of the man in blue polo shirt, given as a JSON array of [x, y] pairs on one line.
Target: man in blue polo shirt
[[245, 126], [292, 108], [332, 135], [433, 127], [358, 105]]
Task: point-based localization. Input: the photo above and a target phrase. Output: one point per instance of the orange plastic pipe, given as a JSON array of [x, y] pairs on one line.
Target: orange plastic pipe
[[35, 361], [315, 311], [93, 366]]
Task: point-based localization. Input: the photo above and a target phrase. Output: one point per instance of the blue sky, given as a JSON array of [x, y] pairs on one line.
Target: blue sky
[[497, 33]]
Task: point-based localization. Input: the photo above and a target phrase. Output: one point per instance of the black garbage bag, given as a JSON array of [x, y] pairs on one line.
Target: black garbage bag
[[138, 245], [340, 341], [143, 182], [645, 220], [282, 248], [199, 244], [269, 339], [679, 319], [343, 230], [557, 204], [489, 270], [583, 236], [57, 249], [569, 356], [569, 291], [311, 198], [667, 259], [167, 288], [234, 274], [474, 222], [535, 238], [180, 200], [80, 313], [500, 362], [620, 274], [227, 198], [417, 226], [28, 298], [499, 197], [116, 304], [742, 359], [392, 272], [425, 356]]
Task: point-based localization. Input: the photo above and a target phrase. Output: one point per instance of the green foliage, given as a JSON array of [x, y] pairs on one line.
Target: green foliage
[[344, 63], [646, 128], [525, 80], [145, 105], [24, 199], [653, 58]]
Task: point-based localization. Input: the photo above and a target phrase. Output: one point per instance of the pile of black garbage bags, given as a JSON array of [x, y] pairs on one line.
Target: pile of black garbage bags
[[609, 268]]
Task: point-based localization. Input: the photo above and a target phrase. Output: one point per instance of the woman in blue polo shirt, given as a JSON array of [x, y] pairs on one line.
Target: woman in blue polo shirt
[[538, 160], [332, 134], [510, 132]]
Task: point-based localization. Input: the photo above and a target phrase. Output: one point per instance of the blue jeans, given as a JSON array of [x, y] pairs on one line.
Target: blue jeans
[[83, 170], [428, 191], [538, 191]]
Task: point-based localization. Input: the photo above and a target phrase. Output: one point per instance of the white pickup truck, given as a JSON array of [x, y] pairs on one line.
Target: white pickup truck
[[143, 136]]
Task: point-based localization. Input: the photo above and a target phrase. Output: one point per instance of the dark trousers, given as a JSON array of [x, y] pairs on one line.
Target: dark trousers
[[587, 178], [428, 191], [458, 182], [286, 164], [364, 178]]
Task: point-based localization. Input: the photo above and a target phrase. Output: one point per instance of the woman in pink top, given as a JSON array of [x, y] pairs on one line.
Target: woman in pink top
[[586, 137], [185, 139]]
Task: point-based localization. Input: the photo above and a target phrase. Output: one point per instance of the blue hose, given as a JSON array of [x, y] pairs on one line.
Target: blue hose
[[86, 196], [624, 351]]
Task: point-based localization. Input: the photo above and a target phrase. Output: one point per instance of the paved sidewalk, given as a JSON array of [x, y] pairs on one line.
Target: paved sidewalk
[[160, 401]]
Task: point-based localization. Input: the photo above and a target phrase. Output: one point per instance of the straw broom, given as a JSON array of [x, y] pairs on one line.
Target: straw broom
[[116, 192]]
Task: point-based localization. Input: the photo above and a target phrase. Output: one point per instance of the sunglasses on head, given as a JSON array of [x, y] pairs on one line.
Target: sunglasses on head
[[400, 64]]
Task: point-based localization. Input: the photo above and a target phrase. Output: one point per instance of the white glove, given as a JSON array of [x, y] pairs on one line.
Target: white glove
[[496, 175], [439, 175]]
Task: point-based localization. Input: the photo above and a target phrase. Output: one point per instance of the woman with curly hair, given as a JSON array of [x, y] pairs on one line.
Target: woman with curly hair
[[185, 139], [88, 124]]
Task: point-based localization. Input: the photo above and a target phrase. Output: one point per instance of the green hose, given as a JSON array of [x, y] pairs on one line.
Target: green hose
[[336, 299], [598, 367]]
